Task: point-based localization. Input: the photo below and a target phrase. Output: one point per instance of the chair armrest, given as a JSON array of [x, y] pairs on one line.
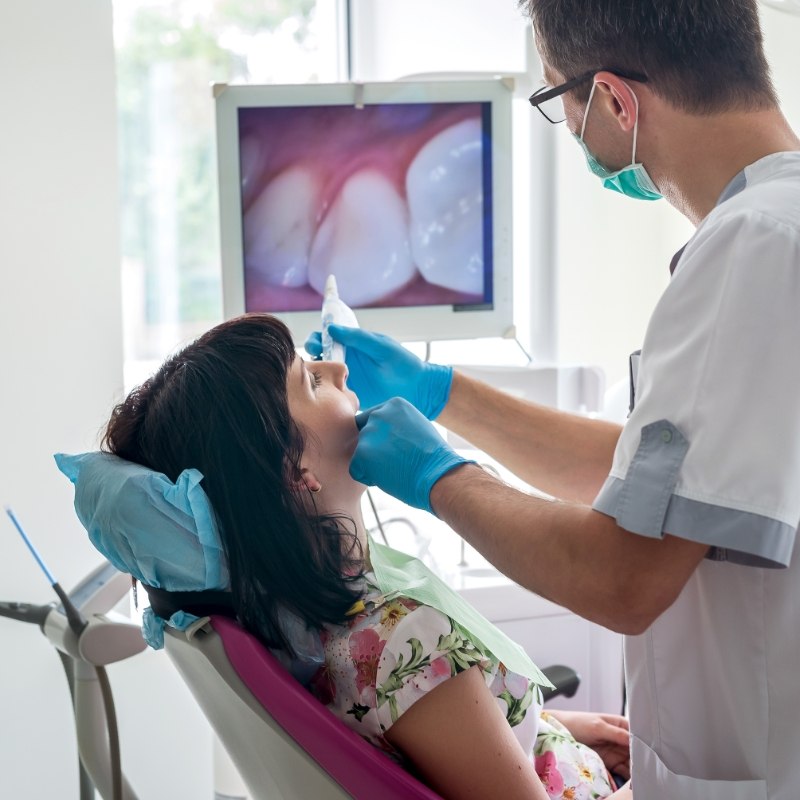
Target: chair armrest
[[565, 680]]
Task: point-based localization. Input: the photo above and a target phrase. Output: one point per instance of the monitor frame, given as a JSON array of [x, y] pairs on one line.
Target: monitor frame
[[409, 323]]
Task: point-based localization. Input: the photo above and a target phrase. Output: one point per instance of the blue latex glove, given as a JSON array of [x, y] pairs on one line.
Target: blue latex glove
[[401, 452], [380, 368]]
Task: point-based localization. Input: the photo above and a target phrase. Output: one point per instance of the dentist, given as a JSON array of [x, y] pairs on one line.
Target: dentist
[[678, 529]]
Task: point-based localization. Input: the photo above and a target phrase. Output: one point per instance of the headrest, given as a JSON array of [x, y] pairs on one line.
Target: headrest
[[164, 534]]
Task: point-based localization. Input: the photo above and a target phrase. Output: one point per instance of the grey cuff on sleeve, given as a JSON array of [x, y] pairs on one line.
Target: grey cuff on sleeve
[[645, 503], [652, 476]]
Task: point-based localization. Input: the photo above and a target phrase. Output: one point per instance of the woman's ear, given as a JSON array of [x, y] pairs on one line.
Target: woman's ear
[[305, 481]]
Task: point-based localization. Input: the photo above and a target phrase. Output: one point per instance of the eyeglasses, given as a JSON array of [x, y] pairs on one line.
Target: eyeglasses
[[549, 100]]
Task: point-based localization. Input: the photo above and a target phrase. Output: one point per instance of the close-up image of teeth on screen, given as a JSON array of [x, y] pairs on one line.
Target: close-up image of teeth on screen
[[394, 199]]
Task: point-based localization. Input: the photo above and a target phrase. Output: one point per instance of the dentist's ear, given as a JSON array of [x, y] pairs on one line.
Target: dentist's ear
[[620, 98]]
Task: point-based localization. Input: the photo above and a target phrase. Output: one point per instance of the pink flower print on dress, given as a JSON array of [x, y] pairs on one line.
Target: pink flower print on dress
[[580, 782], [365, 650], [440, 668], [517, 685], [323, 685], [546, 767]]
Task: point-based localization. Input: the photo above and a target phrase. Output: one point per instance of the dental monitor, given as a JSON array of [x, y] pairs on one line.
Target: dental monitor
[[401, 190]]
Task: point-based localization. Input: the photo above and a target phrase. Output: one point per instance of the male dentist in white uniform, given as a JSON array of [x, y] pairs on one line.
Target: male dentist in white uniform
[[678, 529]]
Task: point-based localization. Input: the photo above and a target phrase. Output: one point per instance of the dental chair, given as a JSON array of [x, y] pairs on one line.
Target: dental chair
[[284, 742]]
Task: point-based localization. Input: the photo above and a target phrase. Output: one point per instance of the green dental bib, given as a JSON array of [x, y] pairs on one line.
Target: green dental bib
[[401, 574]]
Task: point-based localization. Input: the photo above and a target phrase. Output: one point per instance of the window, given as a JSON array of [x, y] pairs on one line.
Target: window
[[168, 54]]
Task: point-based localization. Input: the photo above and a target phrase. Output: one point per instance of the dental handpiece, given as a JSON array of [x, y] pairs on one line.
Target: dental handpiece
[[334, 312]]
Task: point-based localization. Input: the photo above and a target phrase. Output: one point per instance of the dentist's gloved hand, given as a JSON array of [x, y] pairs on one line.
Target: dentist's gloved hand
[[380, 368], [401, 452]]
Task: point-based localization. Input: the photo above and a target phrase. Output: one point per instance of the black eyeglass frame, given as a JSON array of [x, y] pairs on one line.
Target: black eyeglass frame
[[544, 94]]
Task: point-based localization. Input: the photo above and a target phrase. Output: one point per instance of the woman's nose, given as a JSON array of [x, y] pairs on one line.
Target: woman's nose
[[339, 373]]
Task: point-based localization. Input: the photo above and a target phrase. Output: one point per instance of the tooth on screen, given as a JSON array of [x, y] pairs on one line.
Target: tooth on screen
[[444, 186], [250, 163], [363, 241], [279, 227]]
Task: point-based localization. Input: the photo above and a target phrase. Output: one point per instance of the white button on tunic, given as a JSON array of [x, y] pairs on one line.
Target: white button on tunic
[[711, 453]]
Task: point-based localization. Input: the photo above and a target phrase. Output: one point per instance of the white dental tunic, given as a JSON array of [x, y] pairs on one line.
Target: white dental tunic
[[711, 453]]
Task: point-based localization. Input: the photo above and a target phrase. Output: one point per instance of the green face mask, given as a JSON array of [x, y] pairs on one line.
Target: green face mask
[[633, 180]]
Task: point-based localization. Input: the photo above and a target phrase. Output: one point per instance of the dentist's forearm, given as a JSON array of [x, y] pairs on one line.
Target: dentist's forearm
[[562, 454], [567, 552]]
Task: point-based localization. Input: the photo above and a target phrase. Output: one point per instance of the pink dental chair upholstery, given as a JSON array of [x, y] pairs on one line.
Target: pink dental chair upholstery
[[285, 744]]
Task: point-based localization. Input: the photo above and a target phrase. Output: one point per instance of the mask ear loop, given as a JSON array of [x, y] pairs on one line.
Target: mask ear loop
[[588, 106], [635, 126]]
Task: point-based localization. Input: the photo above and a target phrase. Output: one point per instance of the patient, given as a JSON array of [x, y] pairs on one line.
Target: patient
[[273, 436]]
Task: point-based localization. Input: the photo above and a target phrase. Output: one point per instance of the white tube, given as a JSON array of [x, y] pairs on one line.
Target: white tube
[[90, 724], [334, 312]]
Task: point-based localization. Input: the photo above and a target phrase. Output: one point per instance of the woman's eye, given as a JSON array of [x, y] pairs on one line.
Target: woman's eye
[[317, 379]]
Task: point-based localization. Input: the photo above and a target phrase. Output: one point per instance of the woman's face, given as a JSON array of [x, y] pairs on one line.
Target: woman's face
[[324, 408]]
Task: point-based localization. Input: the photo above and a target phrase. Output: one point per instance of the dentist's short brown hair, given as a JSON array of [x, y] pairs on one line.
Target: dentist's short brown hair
[[702, 56]]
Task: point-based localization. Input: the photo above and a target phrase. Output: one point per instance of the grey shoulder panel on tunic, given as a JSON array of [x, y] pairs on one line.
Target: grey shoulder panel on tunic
[[738, 184], [645, 503]]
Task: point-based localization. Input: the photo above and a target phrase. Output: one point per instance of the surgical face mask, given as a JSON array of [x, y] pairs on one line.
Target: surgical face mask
[[633, 180]]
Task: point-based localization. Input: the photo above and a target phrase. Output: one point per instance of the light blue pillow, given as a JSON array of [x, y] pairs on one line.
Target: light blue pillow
[[165, 535], [162, 533]]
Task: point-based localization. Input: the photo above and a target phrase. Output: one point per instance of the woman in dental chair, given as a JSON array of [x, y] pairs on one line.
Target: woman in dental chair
[[272, 436]]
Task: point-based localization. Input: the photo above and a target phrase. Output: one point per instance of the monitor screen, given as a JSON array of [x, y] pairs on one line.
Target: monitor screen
[[396, 189]]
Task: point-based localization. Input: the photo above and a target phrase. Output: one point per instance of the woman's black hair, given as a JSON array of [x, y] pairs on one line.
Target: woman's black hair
[[220, 406]]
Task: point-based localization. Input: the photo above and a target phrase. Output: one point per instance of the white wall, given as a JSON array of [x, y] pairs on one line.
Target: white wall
[[782, 34], [613, 256], [61, 357], [394, 39]]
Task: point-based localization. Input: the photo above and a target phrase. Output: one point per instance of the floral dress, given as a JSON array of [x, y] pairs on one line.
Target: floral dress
[[393, 652]]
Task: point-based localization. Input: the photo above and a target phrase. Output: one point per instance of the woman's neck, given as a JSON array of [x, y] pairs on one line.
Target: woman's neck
[[348, 508]]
